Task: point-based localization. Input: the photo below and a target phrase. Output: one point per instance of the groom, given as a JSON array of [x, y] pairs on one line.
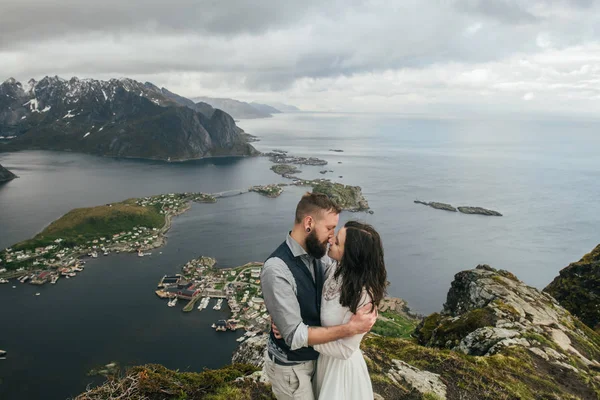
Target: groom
[[292, 282]]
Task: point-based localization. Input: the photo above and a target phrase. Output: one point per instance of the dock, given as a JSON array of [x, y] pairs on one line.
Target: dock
[[190, 305]]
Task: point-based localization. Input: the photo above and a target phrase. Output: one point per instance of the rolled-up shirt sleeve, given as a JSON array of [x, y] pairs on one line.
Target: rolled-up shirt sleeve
[[282, 304]]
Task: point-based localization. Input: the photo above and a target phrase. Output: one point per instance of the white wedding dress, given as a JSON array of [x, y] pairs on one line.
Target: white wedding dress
[[341, 369]]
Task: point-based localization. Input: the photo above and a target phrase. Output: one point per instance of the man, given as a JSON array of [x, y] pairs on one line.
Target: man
[[292, 282]]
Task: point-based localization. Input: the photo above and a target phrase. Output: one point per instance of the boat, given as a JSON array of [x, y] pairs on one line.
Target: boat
[[54, 279], [240, 339], [205, 303], [172, 302], [105, 253], [94, 254], [140, 254], [38, 293], [71, 274], [201, 306], [218, 305], [213, 326], [2, 280], [2, 354]]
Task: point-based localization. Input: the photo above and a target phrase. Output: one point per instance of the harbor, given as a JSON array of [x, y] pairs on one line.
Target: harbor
[[239, 288]]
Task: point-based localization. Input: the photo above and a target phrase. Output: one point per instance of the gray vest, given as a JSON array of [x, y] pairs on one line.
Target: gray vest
[[308, 293]]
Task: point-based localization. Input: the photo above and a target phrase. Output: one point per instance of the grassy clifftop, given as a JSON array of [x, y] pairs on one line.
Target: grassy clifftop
[[155, 382], [82, 224]]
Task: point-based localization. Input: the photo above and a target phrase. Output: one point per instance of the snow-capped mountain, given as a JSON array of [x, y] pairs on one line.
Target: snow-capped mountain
[[119, 117]]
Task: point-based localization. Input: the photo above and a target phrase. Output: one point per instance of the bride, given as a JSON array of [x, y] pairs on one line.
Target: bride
[[358, 278]]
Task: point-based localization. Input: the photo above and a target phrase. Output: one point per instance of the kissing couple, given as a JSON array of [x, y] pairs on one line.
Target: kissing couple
[[322, 303]]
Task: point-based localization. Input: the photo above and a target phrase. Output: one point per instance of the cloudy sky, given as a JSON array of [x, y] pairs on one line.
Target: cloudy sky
[[410, 56]]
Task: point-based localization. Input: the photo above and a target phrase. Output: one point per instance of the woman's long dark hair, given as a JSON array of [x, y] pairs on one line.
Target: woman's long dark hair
[[362, 266]]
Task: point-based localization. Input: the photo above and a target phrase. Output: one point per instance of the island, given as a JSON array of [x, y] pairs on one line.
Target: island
[[349, 198], [478, 210], [6, 175], [279, 157], [336, 150], [272, 191], [285, 170], [462, 209], [436, 205]]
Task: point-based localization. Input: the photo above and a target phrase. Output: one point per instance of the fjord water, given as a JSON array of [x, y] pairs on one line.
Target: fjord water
[[543, 176]]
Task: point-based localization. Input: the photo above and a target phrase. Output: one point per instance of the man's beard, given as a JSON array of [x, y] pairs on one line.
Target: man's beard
[[315, 248]]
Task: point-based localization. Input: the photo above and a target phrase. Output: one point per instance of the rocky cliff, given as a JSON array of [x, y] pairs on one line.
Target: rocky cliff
[[6, 175], [577, 288], [118, 118]]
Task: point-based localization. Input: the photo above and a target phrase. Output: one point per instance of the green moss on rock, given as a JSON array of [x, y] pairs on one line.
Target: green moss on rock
[[514, 374], [577, 288]]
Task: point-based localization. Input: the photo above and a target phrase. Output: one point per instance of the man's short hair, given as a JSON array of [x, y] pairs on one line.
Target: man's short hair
[[313, 203]]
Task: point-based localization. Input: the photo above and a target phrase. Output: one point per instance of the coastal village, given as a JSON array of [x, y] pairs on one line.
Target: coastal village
[[200, 283], [64, 256]]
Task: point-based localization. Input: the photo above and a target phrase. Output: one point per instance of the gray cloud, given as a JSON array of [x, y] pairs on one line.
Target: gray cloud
[[508, 11], [242, 47]]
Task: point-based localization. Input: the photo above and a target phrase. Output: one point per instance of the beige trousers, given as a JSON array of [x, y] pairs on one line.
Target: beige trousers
[[291, 382]]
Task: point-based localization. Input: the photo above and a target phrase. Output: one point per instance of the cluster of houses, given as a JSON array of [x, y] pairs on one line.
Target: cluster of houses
[[174, 202], [64, 259], [239, 286]]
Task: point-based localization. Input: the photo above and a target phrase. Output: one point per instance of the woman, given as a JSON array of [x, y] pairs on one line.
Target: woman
[[358, 278]]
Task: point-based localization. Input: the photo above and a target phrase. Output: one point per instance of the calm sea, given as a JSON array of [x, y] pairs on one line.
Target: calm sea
[[543, 176]]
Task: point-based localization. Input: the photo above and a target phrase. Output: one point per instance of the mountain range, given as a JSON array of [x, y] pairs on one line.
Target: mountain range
[[243, 110], [118, 118]]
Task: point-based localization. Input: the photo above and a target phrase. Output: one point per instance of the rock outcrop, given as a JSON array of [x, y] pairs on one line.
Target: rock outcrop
[[490, 312], [6, 175], [478, 210], [251, 351], [436, 205], [577, 288]]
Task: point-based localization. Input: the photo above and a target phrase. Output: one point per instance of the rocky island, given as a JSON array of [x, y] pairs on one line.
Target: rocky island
[[116, 118], [285, 170], [462, 209], [6, 175], [436, 205], [271, 191], [478, 210], [280, 157]]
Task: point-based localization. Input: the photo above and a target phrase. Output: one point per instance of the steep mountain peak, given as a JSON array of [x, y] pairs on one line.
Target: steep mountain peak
[[10, 81]]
